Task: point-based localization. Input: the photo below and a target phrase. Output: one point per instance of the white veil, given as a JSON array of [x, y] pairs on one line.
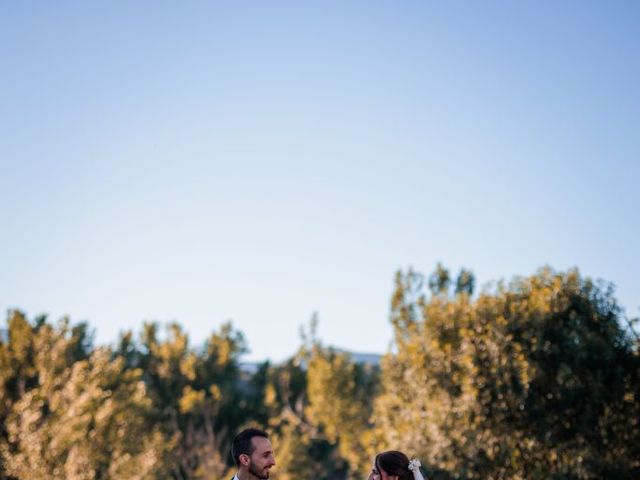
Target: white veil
[[414, 466]]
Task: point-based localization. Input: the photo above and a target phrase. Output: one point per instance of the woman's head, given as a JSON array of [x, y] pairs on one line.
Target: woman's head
[[392, 464]]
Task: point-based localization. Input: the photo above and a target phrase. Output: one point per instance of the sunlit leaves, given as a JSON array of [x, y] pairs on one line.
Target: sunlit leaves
[[525, 381]]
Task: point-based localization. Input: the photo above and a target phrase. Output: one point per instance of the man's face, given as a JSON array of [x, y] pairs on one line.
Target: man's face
[[262, 458]]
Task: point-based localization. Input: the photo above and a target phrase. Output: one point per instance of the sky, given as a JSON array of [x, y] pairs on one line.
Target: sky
[[257, 162]]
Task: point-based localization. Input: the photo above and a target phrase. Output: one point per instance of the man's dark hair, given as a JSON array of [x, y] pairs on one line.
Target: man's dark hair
[[242, 443]]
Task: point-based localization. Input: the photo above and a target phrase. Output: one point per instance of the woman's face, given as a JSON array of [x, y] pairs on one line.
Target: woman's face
[[375, 474], [378, 474]]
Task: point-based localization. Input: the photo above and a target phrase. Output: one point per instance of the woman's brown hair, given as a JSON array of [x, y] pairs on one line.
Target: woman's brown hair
[[394, 462]]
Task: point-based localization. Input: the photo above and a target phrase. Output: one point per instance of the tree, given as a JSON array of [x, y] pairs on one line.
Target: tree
[[340, 394], [465, 283], [303, 451], [72, 414], [319, 407], [439, 280], [198, 394], [533, 380]]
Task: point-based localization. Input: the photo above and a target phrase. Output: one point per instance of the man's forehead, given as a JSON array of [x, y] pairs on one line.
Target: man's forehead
[[261, 444]]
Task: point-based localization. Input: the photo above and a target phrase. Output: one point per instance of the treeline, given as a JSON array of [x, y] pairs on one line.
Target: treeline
[[535, 379]]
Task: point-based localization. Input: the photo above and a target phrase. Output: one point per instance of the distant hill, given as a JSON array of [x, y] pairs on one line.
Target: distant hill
[[366, 358], [250, 368]]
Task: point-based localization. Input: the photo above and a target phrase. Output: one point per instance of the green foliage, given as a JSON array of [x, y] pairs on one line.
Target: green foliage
[[197, 395], [531, 381], [465, 283], [536, 379], [340, 394], [439, 281], [318, 405], [303, 450], [71, 414]]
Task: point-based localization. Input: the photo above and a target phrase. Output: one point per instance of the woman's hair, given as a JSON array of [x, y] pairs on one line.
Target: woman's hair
[[394, 463]]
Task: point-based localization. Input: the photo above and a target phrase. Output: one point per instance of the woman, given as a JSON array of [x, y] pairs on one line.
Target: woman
[[394, 465]]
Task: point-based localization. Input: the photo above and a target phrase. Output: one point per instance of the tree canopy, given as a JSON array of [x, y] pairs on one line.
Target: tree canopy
[[531, 379]]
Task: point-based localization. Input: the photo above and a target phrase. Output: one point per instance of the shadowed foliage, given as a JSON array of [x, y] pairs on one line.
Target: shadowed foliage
[[534, 379]]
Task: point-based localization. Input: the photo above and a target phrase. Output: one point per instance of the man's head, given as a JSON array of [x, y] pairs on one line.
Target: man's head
[[252, 452]]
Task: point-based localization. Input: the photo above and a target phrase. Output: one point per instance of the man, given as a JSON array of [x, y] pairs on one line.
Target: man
[[252, 452]]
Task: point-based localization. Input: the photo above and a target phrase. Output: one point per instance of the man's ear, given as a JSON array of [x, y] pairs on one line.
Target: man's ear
[[244, 459]]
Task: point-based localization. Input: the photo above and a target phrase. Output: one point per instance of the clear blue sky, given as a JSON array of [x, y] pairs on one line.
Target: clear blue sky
[[259, 161]]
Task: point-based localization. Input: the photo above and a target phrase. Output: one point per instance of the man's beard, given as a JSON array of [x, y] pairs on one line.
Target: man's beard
[[253, 470]]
